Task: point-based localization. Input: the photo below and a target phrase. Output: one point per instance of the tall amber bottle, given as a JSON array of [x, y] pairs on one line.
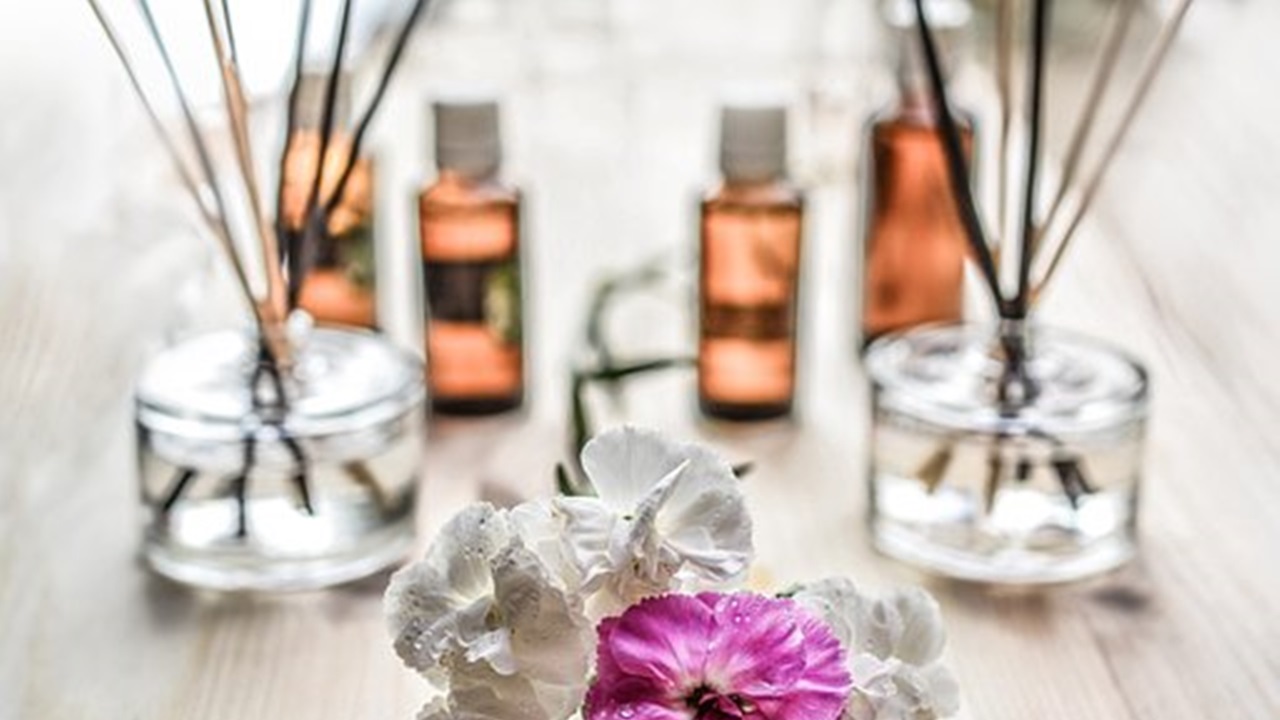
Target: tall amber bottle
[[749, 272], [913, 239], [340, 283], [470, 232]]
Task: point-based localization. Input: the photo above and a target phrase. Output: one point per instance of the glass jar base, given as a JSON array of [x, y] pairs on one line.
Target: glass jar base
[[1009, 565], [240, 491], [241, 567], [976, 477]]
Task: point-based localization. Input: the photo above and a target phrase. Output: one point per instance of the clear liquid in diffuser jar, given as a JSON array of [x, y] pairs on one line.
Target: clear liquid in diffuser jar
[[470, 233], [751, 231]]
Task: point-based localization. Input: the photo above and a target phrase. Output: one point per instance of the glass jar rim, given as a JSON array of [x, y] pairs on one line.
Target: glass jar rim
[[340, 375], [944, 375]]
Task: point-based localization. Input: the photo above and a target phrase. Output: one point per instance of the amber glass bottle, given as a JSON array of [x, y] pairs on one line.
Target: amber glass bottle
[[750, 237], [339, 286], [470, 232], [913, 239]]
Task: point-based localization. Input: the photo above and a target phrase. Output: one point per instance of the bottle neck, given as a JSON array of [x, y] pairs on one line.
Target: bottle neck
[[753, 182], [468, 176], [916, 105]]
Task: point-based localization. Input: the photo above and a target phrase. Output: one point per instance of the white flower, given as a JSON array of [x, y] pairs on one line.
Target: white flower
[[491, 621], [666, 514], [895, 645]]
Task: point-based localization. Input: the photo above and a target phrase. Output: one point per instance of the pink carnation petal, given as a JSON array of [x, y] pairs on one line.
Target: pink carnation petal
[[637, 711], [823, 688], [663, 639], [719, 657], [759, 647]]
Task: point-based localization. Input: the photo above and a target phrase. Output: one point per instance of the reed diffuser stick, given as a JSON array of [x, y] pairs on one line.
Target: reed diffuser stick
[[288, 237], [237, 117], [1035, 114], [1004, 87], [312, 226], [215, 223], [397, 51], [264, 309], [231, 32], [1089, 191], [1117, 30], [957, 166]]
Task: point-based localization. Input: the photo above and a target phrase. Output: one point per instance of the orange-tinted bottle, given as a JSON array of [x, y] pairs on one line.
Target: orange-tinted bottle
[[914, 241], [470, 232], [339, 287], [749, 273]]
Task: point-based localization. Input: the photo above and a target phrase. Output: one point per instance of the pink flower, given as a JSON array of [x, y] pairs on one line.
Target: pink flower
[[718, 657]]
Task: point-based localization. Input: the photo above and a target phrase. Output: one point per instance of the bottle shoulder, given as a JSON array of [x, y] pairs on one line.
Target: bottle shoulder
[[903, 119], [449, 190], [779, 195]]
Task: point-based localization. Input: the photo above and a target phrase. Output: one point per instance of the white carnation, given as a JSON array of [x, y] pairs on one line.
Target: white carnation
[[666, 515], [491, 620], [894, 644]]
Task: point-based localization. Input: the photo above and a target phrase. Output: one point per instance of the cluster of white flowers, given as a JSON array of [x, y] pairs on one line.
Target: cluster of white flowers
[[500, 614]]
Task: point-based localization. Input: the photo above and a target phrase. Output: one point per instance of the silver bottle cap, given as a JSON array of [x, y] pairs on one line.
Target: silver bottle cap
[[468, 139], [753, 142]]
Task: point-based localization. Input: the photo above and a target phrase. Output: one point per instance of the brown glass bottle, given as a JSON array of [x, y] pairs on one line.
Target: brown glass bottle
[[339, 286], [915, 246], [750, 243], [470, 232], [913, 239]]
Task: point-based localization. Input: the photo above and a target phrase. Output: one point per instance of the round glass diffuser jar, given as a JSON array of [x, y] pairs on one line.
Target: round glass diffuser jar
[[241, 492], [1008, 473]]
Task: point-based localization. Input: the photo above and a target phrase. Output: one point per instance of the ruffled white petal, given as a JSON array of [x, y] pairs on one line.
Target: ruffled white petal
[[665, 513], [492, 620], [895, 643]]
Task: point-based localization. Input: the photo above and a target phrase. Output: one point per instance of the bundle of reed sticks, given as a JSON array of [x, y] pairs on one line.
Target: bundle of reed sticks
[[285, 250], [1040, 238]]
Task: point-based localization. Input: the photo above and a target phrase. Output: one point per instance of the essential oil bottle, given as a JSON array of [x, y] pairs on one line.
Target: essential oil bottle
[[340, 282], [748, 279], [470, 232], [913, 241]]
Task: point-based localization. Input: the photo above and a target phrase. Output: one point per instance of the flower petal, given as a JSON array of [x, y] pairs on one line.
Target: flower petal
[[759, 648], [625, 463], [664, 640], [920, 637], [431, 603], [550, 638]]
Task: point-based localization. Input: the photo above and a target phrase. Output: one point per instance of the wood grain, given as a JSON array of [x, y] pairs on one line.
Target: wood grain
[[1180, 263]]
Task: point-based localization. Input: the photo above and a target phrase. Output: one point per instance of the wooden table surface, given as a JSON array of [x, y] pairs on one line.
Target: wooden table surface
[[1180, 264]]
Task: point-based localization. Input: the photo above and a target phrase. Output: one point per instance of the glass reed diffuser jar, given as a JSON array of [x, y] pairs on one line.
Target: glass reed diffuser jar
[[254, 480], [1008, 456]]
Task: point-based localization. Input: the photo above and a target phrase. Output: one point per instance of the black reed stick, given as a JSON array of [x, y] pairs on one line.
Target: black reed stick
[[957, 166], [1035, 113], [287, 247], [402, 41], [298, 269], [177, 489], [231, 32]]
